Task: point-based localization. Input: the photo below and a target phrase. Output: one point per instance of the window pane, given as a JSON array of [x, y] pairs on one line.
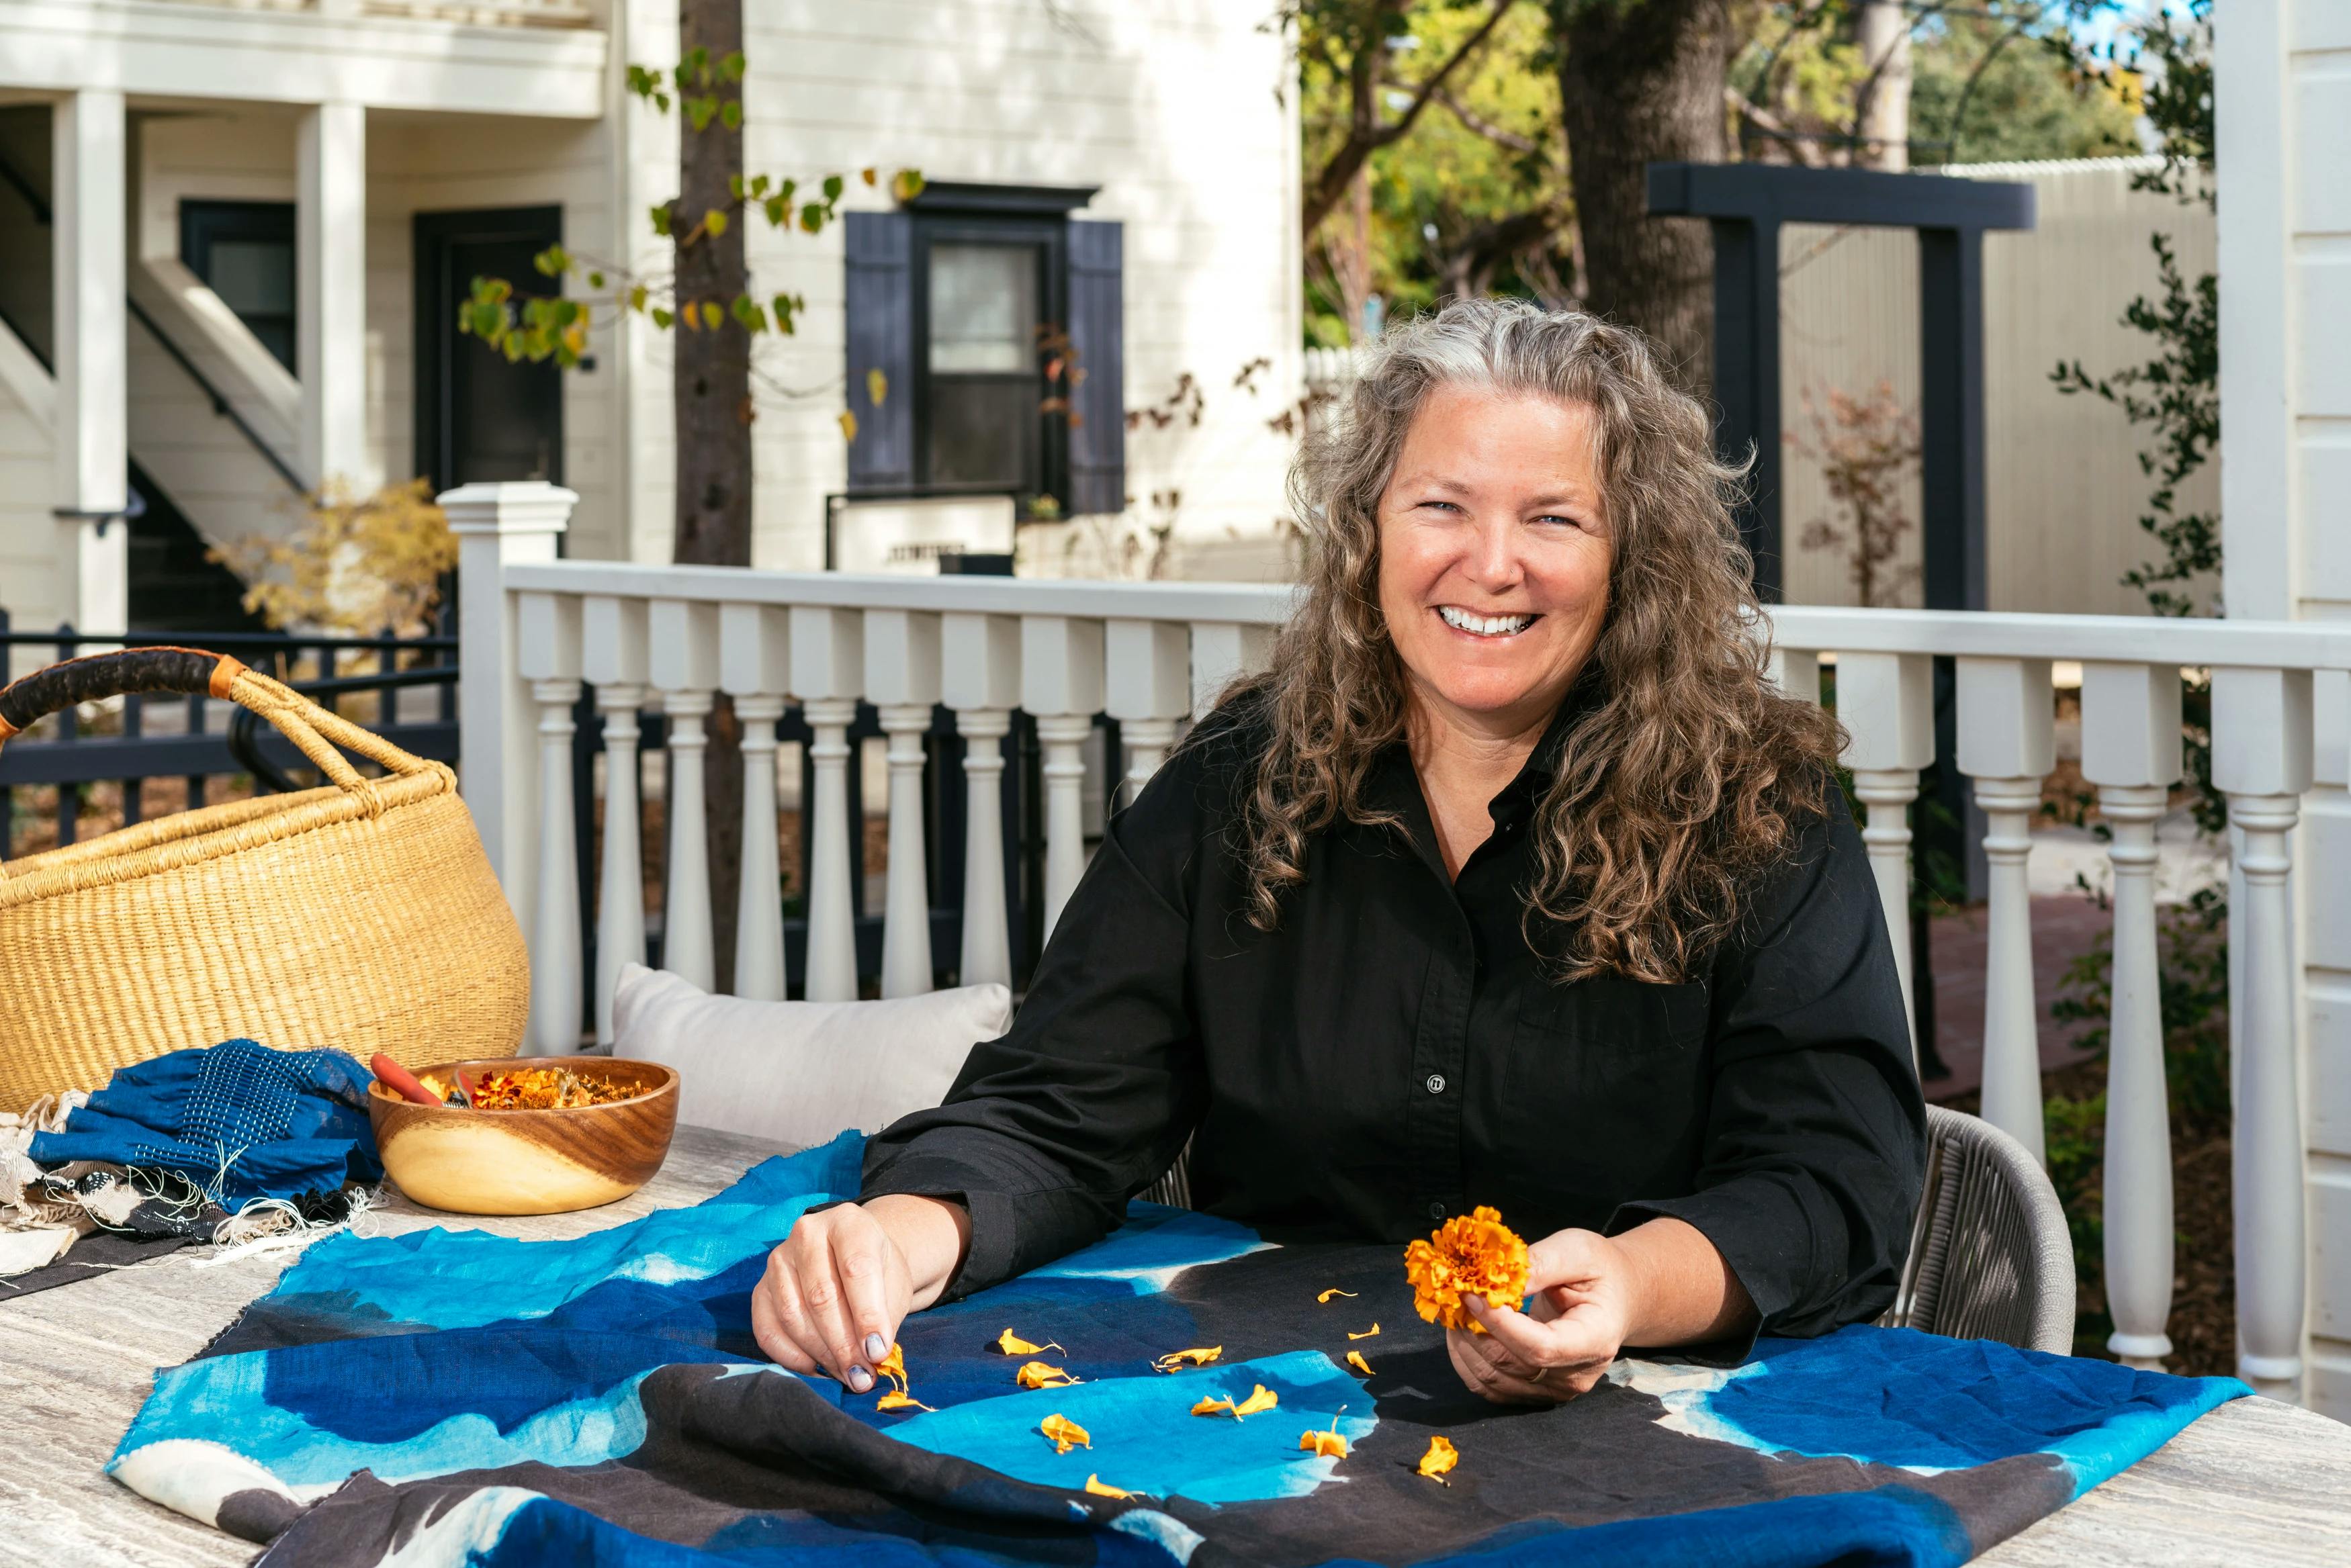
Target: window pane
[[983, 307], [254, 277], [984, 432]]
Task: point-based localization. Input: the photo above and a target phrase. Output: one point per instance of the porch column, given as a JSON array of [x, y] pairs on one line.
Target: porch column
[[331, 294], [93, 374]]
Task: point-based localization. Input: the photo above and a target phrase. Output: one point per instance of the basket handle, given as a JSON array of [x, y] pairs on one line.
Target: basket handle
[[195, 672]]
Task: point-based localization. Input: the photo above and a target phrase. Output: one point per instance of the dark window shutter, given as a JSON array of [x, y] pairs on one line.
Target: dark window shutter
[[882, 338], [1098, 333]]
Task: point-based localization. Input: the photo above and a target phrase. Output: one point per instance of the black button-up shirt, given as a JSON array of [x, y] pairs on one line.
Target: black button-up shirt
[[1394, 1053]]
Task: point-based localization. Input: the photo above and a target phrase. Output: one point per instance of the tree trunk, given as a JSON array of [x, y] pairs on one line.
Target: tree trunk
[[712, 380], [1642, 81], [1882, 117]]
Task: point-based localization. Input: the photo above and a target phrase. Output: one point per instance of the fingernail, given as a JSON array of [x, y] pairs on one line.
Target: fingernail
[[874, 1349], [860, 1379]]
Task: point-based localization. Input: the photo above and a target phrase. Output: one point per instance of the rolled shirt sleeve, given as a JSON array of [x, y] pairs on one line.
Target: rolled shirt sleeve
[[1815, 1131]]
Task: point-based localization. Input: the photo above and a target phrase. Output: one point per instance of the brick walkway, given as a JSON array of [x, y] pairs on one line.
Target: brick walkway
[[2064, 926]]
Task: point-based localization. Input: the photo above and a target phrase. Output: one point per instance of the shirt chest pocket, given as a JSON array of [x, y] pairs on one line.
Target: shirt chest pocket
[[1608, 1058]]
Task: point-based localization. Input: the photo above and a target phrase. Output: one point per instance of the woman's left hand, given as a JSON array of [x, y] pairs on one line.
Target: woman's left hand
[[1581, 1302]]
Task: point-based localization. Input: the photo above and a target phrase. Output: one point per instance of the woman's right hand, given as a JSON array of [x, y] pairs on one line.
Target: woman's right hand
[[842, 1283]]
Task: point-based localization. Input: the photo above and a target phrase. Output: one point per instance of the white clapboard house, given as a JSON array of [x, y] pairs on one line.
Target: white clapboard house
[[233, 234]]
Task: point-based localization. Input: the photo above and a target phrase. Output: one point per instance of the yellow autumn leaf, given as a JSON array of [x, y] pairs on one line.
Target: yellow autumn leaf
[[1441, 1457], [1327, 1445], [1334, 1291], [1037, 1375], [899, 1399], [1064, 1433], [1176, 1360], [1095, 1485], [1355, 1359], [867, 175], [712, 314], [1367, 1333], [877, 387], [848, 425], [1012, 1343]]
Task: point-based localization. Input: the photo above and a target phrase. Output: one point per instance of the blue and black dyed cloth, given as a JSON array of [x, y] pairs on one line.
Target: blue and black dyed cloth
[[465, 1399]]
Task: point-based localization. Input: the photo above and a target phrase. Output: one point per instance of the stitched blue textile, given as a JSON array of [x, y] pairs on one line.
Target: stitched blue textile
[[457, 1398], [241, 1120]]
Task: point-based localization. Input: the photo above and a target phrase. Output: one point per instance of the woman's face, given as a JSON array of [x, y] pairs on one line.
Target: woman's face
[[1494, 553]]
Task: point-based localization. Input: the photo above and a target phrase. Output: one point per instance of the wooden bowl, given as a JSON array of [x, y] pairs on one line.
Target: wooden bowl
[[527, 1162]]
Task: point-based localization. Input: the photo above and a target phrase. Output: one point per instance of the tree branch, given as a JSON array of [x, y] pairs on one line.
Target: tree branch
[[1800, 146], [1473, 122], [1366, 134]]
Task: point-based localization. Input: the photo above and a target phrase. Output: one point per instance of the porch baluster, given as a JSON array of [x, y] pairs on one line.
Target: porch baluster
[[684, 660], [1886, 703], [2130, 751], [828, 676], [1796, 671], [1148, 688], [1061, 687], [902, 677], [547, 630], [2008, 744], [2261, 757], [613, 661], [979, 678], [754, 665]]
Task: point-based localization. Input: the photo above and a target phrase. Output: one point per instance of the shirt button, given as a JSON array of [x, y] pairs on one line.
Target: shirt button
[[1436, 1083], [1437, 1212]]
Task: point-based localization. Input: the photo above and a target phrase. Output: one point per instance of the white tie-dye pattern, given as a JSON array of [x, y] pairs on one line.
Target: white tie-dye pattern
[[1171, 1535], [472, 1526], [191, 1476]]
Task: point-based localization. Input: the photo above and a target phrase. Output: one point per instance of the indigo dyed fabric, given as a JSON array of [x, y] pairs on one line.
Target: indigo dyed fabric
[[241, 1120], [462, 1398]]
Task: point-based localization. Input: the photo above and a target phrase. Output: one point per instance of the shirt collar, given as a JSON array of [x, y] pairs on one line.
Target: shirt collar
[[1391, 785]]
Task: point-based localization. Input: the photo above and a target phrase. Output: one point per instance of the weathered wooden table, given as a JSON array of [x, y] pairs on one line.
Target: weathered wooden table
[[2254, 1481]]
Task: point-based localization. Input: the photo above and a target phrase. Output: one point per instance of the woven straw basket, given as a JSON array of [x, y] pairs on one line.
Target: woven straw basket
[[362, 914]]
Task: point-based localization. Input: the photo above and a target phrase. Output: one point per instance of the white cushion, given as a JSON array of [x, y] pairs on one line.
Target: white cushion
[[800, 1072]]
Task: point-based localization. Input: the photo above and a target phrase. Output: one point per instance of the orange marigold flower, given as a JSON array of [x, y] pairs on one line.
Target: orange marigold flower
[[1442, 1456], [1472, 1255], [1327, 1445]]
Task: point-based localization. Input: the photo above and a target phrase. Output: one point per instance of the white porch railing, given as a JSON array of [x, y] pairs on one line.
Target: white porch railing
[[1149, 655]]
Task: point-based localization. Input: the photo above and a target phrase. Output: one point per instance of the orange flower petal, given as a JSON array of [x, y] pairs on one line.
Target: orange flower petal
[[1094, 1485], [1367, 1333], [1470, 1255], [1176, 1360], [894, 1366], [899, 1399], [1012, 1343], [1442, 1456], [1064, 1433], [1037, 1375], [1334, 1291], [1355, 1359], [1213, 1407], [1329, 1445], [1264, 1398]]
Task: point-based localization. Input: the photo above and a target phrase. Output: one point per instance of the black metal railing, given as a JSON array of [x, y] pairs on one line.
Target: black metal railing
[[65, 754]]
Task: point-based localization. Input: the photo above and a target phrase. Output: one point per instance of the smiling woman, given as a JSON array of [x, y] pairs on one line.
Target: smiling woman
[[1513, 886]]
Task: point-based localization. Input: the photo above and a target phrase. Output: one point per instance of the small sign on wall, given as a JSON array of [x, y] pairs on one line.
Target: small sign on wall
[[909, 536]]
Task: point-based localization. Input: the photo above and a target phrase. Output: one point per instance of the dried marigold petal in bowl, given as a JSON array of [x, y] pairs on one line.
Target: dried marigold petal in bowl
[[1470, 1255]]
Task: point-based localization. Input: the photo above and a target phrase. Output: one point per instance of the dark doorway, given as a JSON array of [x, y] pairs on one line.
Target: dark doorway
[[480, 418]]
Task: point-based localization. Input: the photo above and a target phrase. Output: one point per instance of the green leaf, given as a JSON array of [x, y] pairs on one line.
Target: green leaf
[[595, 279], [661, 219], [711, 315], [699, 109], [735, 186], [760, 183], [747, 311], [697, 61], [489, 321], [731, 66], [637, 297], [662, 319], [552, 262], [730, 114], [783, 308], [832, 187], [778, 211], [811, 217], [906, 184], [714, 223]]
